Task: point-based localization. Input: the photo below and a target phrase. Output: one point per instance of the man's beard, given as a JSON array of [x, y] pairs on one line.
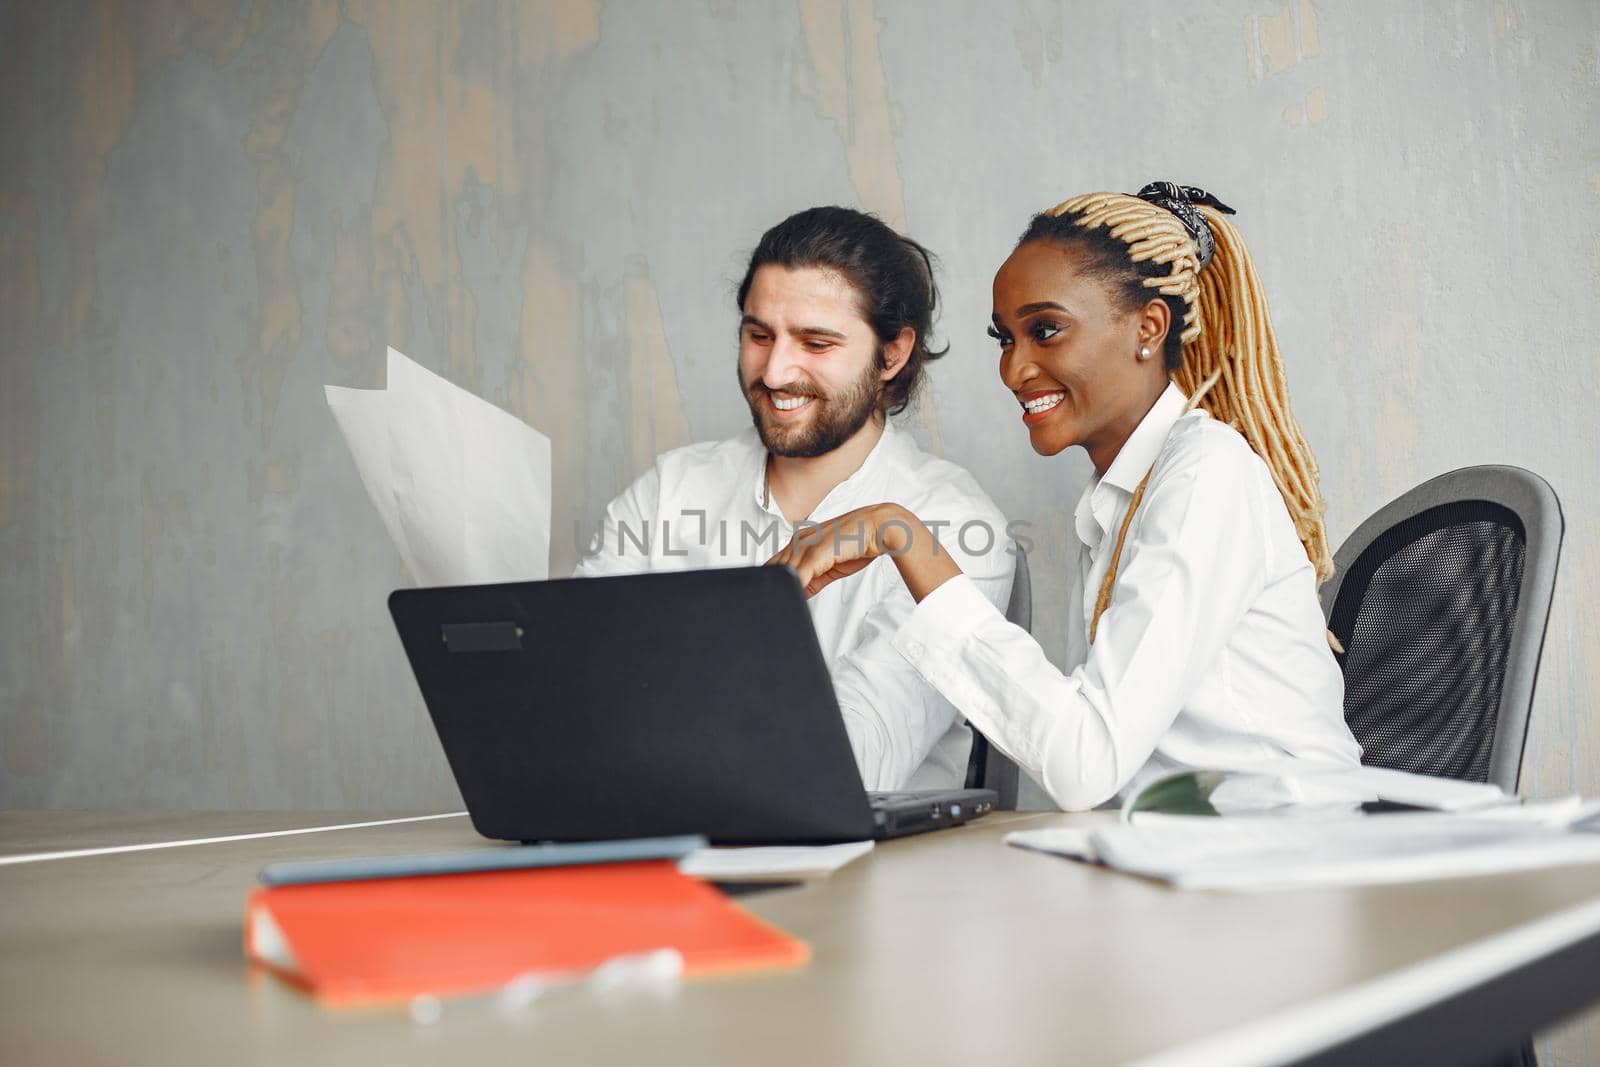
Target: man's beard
[[837, 418]]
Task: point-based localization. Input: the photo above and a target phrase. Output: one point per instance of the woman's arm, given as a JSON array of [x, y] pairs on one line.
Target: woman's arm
[[840, 547], [894, 717], [1191, 568]]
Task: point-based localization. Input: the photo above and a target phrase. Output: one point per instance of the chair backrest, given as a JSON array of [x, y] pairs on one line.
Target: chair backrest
[[987, 766], [1440, 600]]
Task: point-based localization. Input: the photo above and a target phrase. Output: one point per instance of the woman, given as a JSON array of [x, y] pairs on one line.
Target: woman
[[1134, 327]]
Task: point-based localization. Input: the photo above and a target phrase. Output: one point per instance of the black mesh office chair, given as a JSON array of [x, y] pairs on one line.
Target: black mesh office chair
[[1440, 601], [987, 766]]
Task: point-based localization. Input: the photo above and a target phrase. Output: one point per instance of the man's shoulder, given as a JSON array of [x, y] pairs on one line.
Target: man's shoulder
[[727, 456], [936, 487]]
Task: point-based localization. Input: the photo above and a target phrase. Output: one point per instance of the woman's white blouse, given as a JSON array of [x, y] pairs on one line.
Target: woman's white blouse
[[1212, 654]]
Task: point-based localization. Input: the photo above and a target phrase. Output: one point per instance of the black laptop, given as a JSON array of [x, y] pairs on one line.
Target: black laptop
[[695, 702]]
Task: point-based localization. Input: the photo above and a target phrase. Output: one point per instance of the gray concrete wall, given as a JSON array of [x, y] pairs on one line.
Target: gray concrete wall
[[206, 216], [208, 210]]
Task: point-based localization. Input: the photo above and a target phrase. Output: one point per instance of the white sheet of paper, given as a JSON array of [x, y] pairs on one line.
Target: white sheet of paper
[[462, 487], [1401, 787], [1373, 850], [768, 863], [1280, 852]]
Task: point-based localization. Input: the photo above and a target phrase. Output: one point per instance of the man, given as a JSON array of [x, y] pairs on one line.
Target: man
[[833, 340]]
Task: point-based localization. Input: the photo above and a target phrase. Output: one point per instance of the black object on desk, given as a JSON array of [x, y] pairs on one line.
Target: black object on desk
[[648, 705]]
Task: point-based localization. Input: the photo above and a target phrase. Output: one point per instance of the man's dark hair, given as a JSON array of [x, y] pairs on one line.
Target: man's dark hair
[[892, 276]]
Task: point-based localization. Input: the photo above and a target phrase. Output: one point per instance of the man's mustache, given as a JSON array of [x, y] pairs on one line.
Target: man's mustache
[[759, 389]]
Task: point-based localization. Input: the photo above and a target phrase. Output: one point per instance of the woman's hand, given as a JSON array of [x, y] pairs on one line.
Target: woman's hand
[[840, 547]]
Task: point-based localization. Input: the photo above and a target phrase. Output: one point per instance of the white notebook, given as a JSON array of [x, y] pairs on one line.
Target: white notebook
[[1277, 852]]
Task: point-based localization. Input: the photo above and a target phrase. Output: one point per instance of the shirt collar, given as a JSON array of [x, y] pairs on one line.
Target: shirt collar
[[758, 468], [1139, 452], [854, 486]]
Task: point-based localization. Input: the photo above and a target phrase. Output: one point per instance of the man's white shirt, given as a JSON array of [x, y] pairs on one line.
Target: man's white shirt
[[1212, 653], [706, 505]]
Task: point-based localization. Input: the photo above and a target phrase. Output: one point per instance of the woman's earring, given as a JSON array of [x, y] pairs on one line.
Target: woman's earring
[[1144, 351]]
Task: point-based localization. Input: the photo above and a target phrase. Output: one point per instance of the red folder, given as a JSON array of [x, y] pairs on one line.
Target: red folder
[[391, 939]]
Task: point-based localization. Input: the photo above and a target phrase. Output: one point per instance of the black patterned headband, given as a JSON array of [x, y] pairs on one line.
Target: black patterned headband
[[1180, 200]]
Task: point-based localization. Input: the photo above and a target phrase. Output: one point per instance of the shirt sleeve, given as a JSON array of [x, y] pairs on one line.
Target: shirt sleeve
[[622, 546], [893, 716], [1190, 569]]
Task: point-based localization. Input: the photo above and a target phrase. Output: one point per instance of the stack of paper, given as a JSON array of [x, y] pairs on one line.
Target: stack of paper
[[463, 487], [1285, 851], [1303, 785]]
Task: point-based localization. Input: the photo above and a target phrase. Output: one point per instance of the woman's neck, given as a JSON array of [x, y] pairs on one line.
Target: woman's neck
[[1104, 451]]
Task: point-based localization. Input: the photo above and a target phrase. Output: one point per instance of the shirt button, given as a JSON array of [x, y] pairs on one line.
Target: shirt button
[[914, 649]]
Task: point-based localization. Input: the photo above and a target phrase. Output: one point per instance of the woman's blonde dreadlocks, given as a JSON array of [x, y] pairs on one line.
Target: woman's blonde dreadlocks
[[1230, 364]]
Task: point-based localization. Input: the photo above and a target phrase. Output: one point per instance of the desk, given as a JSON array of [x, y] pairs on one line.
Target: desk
[[948, 948]]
